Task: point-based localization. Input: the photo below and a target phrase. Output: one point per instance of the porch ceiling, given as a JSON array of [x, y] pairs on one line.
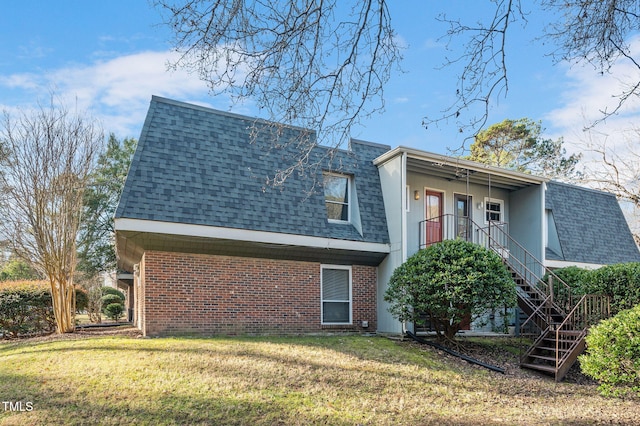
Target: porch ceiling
[[498, 178]]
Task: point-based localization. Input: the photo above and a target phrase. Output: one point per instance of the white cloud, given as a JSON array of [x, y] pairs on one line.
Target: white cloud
[[588, 93], [116, 91]]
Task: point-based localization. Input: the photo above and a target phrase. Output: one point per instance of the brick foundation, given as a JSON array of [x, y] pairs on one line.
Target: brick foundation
[[202, 294]]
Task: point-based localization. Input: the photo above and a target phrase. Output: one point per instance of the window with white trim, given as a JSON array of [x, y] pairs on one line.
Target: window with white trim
[[337, 196], [335, 294], [493, 210]]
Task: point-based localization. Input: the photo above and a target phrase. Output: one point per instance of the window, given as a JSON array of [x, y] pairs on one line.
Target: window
[[493, 210], [336, 294], [337, 197]]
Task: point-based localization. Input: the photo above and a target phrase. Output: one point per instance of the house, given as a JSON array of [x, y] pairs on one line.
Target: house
[[205, 246]]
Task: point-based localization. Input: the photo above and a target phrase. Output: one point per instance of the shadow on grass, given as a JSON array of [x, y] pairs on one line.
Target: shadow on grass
[[51, 406]]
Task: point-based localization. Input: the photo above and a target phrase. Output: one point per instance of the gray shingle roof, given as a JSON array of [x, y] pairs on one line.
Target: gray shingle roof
[[196, 165], [591, 226]]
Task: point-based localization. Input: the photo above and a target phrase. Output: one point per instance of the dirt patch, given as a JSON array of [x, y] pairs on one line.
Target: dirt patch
[[502, 352], [80, 333]]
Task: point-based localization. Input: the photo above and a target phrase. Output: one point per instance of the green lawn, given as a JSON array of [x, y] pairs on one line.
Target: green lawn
[[117, 380]]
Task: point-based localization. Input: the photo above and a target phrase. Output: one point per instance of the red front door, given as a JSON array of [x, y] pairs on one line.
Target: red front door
[[433, 211]]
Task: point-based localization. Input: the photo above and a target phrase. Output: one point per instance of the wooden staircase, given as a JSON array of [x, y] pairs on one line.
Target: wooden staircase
[[558, 326], [555, 322]]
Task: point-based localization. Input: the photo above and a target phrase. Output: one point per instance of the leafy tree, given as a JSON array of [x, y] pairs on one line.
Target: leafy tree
[[96, 247], [51, 152], [517, 145], [450, 281], [17, 269]]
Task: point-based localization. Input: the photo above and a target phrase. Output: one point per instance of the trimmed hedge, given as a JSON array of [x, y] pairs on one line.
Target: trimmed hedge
[[621, 282], [112, 303], [25, 308]]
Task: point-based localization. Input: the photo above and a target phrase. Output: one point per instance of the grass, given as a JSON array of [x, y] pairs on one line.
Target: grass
[[113, 380]]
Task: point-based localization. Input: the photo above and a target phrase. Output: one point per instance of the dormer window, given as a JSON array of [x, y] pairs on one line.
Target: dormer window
[[337, 197]]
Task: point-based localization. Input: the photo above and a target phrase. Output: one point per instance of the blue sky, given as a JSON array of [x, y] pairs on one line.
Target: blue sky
[[110, 57]]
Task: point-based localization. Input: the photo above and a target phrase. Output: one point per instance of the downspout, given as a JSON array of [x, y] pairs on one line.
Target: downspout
[[403, 215]]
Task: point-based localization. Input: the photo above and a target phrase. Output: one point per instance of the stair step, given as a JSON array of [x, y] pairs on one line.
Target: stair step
[[552, 340], [549, 347], [543, 357], [539, 367]]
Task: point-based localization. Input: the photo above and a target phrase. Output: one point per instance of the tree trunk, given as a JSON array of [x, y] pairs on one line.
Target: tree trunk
[[63, 296]]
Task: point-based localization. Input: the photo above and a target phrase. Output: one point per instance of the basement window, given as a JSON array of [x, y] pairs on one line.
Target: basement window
[[335, 294]]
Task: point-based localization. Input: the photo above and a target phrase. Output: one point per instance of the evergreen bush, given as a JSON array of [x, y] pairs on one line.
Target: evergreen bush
[[112, 303], [613, 353], [114, 311], [450, 281], [621, 282], [25, 308]]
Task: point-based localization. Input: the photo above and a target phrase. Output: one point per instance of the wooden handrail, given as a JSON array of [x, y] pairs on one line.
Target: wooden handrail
[[589, 310]]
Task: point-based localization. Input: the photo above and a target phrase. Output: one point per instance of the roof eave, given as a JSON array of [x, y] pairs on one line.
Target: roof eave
[[459, 163]]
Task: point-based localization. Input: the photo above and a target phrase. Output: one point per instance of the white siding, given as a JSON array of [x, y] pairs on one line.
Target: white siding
[[392, 189]]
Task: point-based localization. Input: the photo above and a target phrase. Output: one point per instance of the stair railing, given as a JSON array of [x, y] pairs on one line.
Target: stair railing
[[495, 237], [533, 271], [541, 312], [591, 309]]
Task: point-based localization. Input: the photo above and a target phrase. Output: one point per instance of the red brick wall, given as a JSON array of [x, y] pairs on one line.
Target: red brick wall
[[202, 294]]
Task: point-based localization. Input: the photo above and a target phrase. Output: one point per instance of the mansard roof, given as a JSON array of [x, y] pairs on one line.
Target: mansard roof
[[200, 166], [590, 225]]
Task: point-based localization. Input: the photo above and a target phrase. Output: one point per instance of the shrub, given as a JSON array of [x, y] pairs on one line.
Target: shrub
[[450, 281], [613, 353], [108, 299], [110, 290], [112, 297], [25, 308], [82, 300], [621, 282], [114, 311], [576, 278]]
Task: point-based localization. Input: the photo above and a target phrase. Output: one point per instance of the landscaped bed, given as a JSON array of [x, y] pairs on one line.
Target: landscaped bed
[[113, 377]]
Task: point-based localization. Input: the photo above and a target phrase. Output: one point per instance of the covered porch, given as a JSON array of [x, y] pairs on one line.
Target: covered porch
[[446, 197]]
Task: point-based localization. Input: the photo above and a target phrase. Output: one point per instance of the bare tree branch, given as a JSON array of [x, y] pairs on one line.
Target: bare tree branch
[[50, 152], [297, 61], [598, 33], [616, 169], [484, 73]]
